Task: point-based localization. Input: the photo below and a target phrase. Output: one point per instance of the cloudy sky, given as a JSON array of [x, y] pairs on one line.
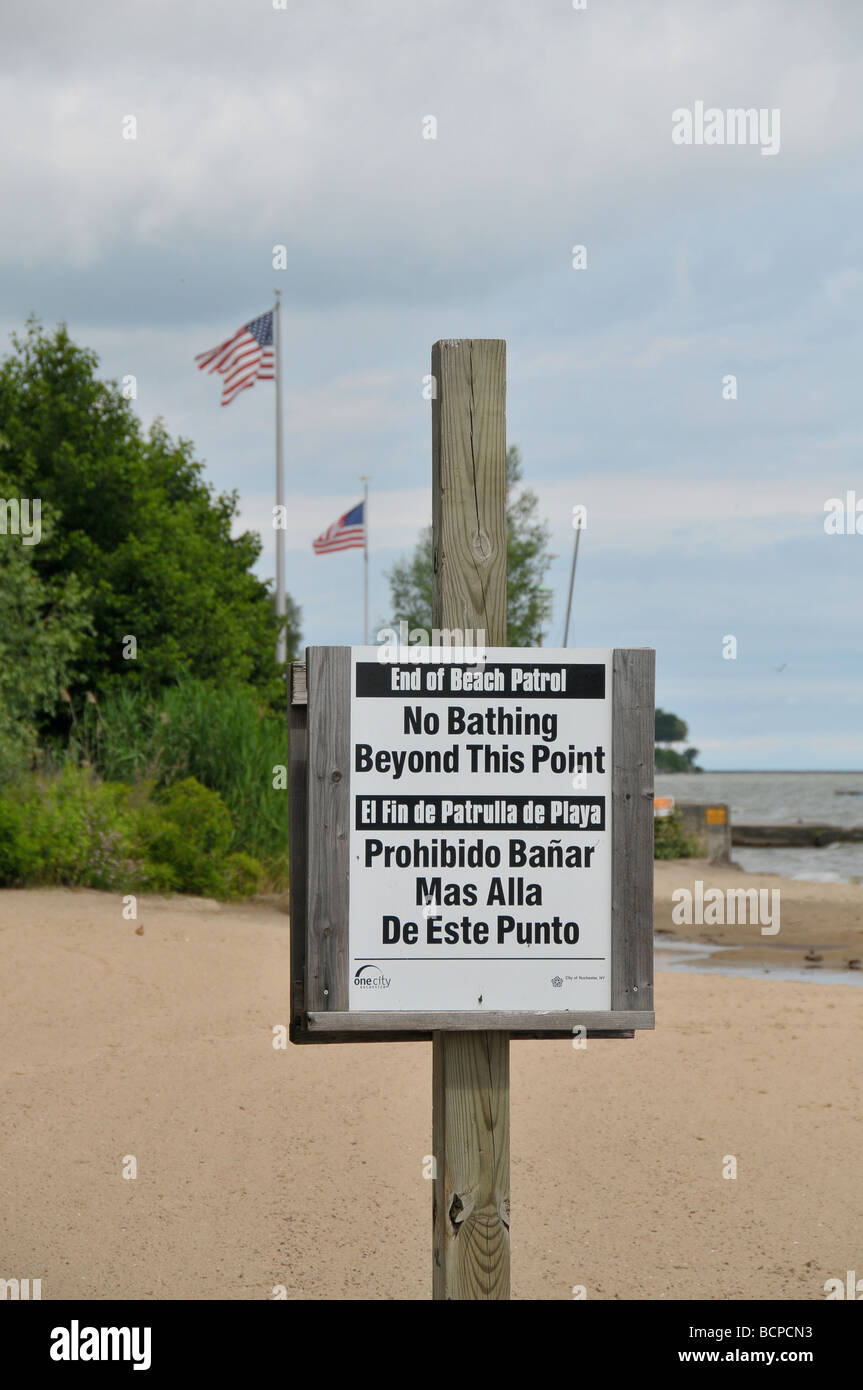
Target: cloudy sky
[[303, 126]]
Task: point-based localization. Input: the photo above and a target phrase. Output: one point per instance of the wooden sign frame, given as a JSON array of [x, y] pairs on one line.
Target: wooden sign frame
[[319, 781]]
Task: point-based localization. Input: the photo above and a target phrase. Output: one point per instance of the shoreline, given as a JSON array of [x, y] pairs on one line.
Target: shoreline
[[816, 919]]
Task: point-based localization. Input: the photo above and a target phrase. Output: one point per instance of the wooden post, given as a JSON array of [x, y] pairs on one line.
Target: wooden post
[[470, 1069], [298, 753]]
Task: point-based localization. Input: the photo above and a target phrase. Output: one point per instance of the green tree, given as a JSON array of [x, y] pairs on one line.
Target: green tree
[[130, 515], [668, 728], [45, 624], [528, 606], [667, 760]]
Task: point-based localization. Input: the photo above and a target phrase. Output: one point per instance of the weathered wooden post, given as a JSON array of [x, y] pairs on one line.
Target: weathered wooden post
[[470, 1084], [439, 788]]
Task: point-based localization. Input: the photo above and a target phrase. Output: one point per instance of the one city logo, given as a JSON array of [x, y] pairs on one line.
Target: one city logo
[[371, 977]]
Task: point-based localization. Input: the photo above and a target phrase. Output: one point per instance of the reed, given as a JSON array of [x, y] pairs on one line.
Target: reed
[[225, 737]]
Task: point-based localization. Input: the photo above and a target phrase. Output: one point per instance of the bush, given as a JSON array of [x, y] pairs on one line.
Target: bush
[[12, 852], [222, 737], [78, 831], [670, 840], [70, 829], [187, 837], [243, 875]]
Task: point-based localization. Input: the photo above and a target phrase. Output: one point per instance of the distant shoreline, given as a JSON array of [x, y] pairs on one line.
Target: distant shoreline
[[765, 772]]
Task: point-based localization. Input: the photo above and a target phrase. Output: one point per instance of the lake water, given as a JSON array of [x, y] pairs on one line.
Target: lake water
[[770, 798], [694, 957]]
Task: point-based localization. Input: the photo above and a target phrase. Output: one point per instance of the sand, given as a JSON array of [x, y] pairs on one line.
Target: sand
[[823, 920], [303, 1168]]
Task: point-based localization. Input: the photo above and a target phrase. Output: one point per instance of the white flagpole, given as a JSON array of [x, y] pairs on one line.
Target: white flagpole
[[571, 583], [365, 483], [281, 640]]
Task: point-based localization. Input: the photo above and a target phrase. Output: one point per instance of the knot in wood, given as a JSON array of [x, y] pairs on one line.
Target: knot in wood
[[481, 545], [460, 1208]]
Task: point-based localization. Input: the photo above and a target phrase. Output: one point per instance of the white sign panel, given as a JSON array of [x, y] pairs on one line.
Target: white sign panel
[[480, 852]]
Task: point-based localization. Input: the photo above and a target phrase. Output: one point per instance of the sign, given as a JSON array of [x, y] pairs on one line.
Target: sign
[[471, 841], [663, 805], [716, 815], [480, 831]]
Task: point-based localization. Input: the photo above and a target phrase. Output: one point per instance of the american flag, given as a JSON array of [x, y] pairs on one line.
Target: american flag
[[243, 359], [348, 533]]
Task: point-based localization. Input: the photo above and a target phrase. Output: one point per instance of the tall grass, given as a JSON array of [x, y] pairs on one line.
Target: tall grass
[[226, 738]]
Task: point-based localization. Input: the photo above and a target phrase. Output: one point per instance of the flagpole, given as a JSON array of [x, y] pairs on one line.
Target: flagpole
[[281, 640], [365, 483], [571, 583]]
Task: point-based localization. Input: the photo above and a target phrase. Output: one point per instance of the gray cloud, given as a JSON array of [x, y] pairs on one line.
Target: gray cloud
[[304, 127]]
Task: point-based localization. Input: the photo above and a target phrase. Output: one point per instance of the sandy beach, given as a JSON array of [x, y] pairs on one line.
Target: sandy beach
[[302, 1168], [823, 920]]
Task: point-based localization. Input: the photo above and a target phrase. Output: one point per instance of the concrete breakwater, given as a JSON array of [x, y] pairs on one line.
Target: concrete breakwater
[[792, 836], [716, 832]]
